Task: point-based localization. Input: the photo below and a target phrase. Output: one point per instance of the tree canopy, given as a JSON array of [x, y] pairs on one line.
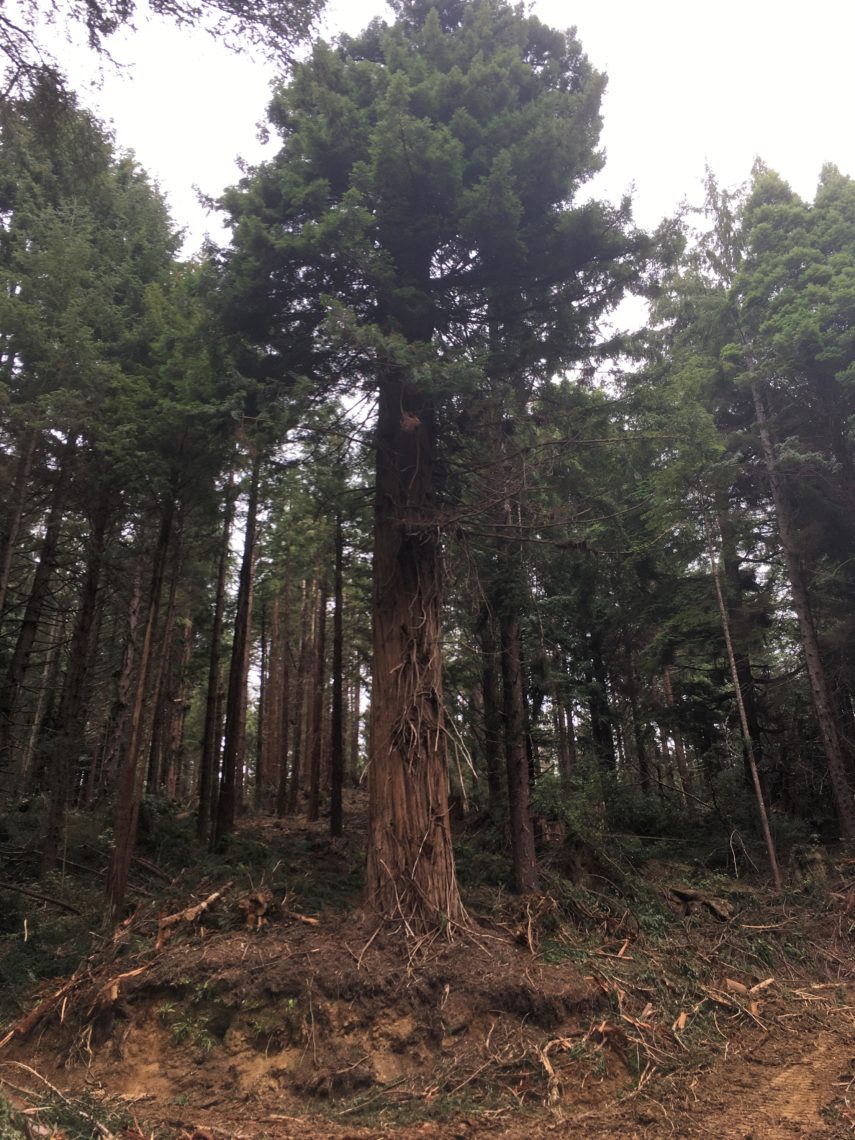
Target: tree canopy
[[275, 26]]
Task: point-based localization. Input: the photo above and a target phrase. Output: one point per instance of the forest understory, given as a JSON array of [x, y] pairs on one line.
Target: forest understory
[[641, 993]]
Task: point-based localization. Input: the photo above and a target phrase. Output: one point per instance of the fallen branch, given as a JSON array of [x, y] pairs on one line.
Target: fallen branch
[[99, 1128], [39, 897], [189, 914], [31, 1020], [147, 865], [307, 919]]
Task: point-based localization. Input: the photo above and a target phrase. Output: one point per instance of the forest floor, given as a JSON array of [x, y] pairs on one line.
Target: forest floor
[[673, 1002]]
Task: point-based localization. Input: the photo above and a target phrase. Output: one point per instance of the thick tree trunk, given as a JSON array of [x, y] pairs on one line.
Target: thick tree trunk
[[132, 771], [317, 706], [337, 714], [823, 705], [410, 875], [236, 694], [209, 755]]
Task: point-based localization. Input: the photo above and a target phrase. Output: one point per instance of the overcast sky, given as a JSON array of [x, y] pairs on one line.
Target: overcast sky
[[690, 83]]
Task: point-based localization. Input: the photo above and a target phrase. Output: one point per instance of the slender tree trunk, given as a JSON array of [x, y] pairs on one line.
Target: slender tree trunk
[[236, 694], [41, 716], [116, 726], [66, 746], [132, 770], [638, 733], [297, 764], [272, 738], [155, 732], [337, 716], [15, 511], [679, 749], [262, 775], [734, 596], [566, 736], [39, 591], [355, 722], [209, 755], [284, 685], [740, 704], [522, 832], [219, 728], [410, 875], [823, 705], [317, 706], [601, 716], [492, 713], [176, 783]]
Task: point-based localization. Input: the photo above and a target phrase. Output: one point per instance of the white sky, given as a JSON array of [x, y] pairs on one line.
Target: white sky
[[689, 83]]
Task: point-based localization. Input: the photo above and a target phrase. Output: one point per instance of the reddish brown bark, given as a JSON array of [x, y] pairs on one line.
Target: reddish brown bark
[[410, 874]]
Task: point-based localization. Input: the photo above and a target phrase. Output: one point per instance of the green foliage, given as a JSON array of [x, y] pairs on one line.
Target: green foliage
[[25, 62], [12, 1124], [652, 814]]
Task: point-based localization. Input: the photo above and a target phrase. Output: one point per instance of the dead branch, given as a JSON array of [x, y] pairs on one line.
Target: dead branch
[[39, 897], [26, 1025], [189, 914], [100, 1129]]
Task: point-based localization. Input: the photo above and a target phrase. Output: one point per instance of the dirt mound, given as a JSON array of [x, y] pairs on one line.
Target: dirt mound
[[239, 1009], [327, 1017]]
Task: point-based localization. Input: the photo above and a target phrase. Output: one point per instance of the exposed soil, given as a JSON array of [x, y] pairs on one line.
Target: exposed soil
[[548, 1018]]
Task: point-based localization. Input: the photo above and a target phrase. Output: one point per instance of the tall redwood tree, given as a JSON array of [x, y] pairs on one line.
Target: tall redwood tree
[[429, 169]]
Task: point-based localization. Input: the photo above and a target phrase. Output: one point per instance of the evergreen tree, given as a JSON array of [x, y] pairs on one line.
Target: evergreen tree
[[427, 184]]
